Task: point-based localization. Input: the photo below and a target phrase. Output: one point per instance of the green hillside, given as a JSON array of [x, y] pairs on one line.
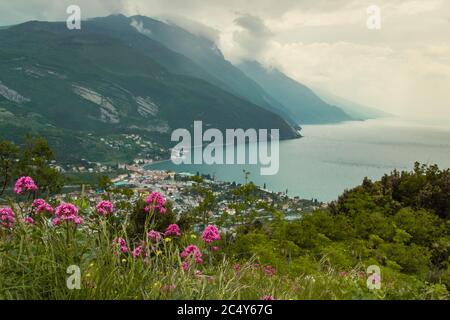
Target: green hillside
[[94, 81]]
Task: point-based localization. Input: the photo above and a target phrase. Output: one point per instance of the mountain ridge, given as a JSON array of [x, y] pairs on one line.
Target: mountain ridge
[[93, 83], [300, 100], [356, 110], [205, 53]]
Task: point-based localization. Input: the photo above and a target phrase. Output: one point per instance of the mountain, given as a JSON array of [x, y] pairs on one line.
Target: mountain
[[96, 81], [353, 109], [301, 102], [204, 52], [124, 28]]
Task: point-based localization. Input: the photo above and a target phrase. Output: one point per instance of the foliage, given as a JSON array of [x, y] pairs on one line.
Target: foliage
[[32, 159], [322, 255], [8, 155]]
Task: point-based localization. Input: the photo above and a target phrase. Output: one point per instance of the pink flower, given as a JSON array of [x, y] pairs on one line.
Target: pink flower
[[211, 234], [376, 279], [173, 229], [122, 244], [66, 209], [192, 251], [78, 220], [155, 201], [137, 252], [28, 220], [267, 298], [343, 273], [7, 218], [38, 202], [24, 184], [154, 235], [104, 208], [269, 270], [215, 248], [67, 212], [237, 269], [41, 206], [185, 266]]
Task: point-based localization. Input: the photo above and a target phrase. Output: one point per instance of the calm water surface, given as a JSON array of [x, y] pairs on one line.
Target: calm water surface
[[332, 158]]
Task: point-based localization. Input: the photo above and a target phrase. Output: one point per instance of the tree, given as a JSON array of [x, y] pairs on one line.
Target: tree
[[244, 204], [207, 202], [104, 183], [8, 156], [34, 161]]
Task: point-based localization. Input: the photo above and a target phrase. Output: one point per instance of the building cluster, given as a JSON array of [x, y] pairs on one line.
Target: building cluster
[[84, 166], [178, 188]]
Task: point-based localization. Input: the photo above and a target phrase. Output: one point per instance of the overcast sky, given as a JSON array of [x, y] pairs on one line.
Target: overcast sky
[[403, 68]]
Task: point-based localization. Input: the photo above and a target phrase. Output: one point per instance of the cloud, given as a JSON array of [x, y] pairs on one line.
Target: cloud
[[138, 25], [251, 37], [253, 24], [410, 82], [192, 26], [54, 10]]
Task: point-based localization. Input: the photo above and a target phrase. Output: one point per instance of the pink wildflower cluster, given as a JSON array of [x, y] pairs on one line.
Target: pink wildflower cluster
[[104, 208], [185, 266], [7, 218], [192, 251], [173, 230], [122, 244], [24, 184], [154, 235], [28, 220], [376, 279], [267, 298], [137, 252], [67, 212], [155, 201], [210, 234], [269, 270], [40, 206]]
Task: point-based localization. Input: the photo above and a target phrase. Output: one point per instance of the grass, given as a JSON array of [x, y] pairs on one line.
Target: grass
[[34, 260]]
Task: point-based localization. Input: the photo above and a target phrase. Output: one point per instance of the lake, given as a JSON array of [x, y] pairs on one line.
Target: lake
[[332, 158]]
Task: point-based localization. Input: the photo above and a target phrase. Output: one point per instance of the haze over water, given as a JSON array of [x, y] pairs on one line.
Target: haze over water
[[332, 158]]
